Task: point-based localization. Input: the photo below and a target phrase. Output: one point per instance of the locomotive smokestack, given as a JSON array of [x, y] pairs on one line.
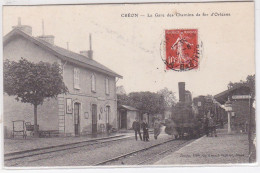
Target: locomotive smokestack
[[181, 91]]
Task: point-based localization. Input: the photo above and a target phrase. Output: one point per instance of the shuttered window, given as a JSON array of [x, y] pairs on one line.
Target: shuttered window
[[107, 86], [76, 78], [93, 83]]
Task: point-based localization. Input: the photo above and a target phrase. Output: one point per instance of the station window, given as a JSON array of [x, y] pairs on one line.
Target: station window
[[107, 86], [93, 83], [76, 78]]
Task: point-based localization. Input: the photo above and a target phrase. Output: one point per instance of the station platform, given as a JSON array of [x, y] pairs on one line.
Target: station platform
[[225, 149], [20, 144]]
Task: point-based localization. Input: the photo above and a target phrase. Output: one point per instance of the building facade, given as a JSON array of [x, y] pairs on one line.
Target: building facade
[[88, 107], [241, 109], [127, 116]]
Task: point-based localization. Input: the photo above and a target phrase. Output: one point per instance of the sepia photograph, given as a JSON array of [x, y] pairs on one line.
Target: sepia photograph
[[129, 85]]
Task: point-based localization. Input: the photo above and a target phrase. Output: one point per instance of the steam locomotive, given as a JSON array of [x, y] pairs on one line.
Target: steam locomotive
[[187, 118]]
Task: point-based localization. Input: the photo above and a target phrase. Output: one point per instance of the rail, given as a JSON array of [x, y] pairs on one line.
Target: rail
[[51, 149], [137, 151]]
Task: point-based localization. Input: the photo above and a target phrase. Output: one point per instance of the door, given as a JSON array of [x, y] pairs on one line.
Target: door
[[107, 117], [123, 119], [94, 119], [76, 118]]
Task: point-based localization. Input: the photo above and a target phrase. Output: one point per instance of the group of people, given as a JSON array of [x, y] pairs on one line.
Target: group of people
[[210, 125], [137, 126]]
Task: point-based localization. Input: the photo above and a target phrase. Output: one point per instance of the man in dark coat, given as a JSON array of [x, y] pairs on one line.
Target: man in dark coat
[[136, 127], [213, 126], [206, 125], [157, 128], [145, 130]]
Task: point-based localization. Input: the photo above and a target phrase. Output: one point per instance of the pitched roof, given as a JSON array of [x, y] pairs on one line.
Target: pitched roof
[[130, 108], [223, 96], [62, 53]]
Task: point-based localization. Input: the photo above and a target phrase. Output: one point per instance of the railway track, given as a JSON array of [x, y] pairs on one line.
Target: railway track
[[134, 153], [159, 155], [140, 156], [52, 149]]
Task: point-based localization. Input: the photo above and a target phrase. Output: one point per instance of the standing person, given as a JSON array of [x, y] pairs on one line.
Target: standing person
[[136, 127], [157, 128], [221, 123], [145, 130], [206, 125], [211, 125], [214, 127]]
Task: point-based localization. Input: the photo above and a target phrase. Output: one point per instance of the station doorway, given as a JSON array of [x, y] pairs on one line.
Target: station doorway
[[123, 119], [94, 119], [76, 118]]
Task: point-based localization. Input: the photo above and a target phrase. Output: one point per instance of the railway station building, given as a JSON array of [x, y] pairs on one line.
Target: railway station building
[[89, 106], [241, 108]]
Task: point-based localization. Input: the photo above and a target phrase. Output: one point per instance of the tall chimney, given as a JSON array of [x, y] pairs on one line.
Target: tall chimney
[[25, 28], [19, 21], [90, 42], [46, 38], [42, 27], [181, 91], [68, 48], [90, 52]]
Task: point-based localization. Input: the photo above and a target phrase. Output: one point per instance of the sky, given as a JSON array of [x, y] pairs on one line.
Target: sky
[[132, 46]]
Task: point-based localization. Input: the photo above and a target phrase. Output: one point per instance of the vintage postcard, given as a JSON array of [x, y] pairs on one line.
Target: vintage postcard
[[136, 84]]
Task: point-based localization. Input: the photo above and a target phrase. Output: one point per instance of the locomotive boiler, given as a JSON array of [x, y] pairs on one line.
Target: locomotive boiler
[[188, 114], [183, 121]]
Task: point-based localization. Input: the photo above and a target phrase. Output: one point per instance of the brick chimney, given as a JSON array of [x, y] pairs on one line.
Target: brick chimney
[[88, 53], [84, 53], [181, 91], [47, 38], [25, 28]]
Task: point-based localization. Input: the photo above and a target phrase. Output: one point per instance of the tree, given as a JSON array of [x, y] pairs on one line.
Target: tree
[[147, 102], [169, 97], [232, 84], [123, 99], [120, 90], [33, 82], [250, 81]]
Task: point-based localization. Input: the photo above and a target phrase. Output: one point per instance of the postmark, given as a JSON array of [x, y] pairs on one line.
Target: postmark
[[181, 49]]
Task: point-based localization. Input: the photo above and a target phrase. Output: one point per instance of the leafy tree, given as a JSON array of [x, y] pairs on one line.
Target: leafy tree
[[169, 97], [232, 84], [33, 82], [147, 102], [120, 90], [123, 99], [250, 81]]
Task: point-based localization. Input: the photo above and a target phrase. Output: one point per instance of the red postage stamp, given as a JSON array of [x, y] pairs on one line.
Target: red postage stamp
[[182, 52]]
